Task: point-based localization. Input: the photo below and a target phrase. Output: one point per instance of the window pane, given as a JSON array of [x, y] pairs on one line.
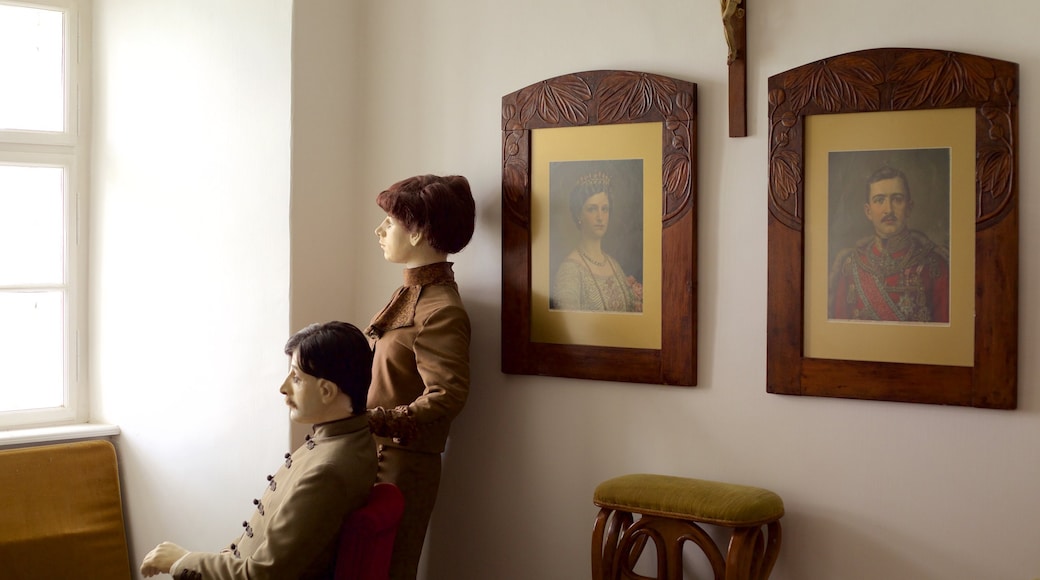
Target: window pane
[[31, 66], [32, 350], [32, 225]]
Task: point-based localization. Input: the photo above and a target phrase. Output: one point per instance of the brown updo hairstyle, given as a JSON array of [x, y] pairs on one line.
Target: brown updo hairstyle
[[440, 208]]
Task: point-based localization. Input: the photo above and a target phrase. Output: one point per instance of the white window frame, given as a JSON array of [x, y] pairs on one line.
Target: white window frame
[[68, 150]]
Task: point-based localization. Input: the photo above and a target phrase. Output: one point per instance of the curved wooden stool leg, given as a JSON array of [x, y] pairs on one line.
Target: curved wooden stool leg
[[671, 511], [752, 553], [610, 526], [772, 550], [598, 572], [669, 536]]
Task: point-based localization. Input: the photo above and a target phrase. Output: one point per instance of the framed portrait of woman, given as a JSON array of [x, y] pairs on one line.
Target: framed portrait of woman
[[598, 248], [596, 235]]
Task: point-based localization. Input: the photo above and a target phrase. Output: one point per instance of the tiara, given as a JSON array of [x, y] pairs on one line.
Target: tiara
[[598, 179]]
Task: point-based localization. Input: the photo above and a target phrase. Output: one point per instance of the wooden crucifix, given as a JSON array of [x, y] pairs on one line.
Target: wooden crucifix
[[734, 18]]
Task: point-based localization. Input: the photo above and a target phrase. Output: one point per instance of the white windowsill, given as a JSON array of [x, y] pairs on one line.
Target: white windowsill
[[60, 433]]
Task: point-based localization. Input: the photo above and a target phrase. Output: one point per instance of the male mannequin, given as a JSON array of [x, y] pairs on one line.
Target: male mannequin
[[294, 529]]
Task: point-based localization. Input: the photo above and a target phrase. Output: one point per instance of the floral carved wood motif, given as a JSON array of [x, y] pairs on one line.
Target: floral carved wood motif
[[895, 80], [605, 97], [601, 98], [899, 79]]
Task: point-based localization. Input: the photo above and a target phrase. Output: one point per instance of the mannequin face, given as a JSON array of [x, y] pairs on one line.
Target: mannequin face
[[396, 241], [305, 394]]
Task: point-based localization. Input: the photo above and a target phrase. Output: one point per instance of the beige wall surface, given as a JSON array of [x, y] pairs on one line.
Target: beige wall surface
[[872, 489]]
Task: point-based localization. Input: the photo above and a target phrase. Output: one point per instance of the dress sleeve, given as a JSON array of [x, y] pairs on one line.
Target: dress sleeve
[[442, 359], [566, 288]]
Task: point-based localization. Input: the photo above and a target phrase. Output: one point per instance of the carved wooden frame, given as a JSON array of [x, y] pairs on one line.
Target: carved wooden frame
[[899, 79], [604, 97]]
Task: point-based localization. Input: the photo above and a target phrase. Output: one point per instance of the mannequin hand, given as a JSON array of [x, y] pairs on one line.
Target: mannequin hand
[[161, 559], [397, 423]]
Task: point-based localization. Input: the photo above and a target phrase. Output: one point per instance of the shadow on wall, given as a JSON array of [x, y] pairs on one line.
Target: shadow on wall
[[465, 501], [820, 540]]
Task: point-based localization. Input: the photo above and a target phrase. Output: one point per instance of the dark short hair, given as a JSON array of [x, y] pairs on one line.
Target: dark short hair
[[338, 352], [586, 187], [887, 172], [441, 208]]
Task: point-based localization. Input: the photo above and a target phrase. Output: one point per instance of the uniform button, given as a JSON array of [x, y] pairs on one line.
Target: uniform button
[[288, 459], [259, 506], [273, 484]]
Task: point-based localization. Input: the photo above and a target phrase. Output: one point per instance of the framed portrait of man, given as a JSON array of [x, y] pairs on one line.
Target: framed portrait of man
[[893, 228], [888, 242], [889, 237]]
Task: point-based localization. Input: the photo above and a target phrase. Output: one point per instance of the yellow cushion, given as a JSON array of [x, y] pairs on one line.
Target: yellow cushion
[[61, 515], [711, 502]]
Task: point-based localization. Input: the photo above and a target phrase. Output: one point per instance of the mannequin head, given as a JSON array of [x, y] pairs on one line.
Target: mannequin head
[[327, 359], [436, 211]]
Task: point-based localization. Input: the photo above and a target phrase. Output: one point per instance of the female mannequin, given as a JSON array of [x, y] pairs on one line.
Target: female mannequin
[[420, 372]]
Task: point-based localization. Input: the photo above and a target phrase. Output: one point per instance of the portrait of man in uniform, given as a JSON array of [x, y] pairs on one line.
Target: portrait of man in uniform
[[897, 272]]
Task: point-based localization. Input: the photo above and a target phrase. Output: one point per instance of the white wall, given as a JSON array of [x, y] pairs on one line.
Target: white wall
[[872, 489], [326, 151], [190, 257]]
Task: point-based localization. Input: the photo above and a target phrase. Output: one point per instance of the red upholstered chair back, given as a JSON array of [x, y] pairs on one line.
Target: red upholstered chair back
[[366, 541]]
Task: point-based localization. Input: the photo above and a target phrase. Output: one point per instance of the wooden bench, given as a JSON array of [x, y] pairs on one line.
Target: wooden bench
[[671, 509], [61, 515]]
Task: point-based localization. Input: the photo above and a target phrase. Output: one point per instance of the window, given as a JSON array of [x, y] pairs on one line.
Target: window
[[42, 152]]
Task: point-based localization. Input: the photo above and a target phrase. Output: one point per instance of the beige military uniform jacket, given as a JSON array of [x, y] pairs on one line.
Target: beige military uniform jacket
[[294, 529]]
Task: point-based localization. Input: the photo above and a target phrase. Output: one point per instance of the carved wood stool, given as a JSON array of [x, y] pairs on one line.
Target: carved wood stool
[[670, 509]]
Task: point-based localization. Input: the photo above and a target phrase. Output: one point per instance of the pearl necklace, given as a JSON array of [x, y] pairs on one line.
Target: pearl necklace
[[589, 259]]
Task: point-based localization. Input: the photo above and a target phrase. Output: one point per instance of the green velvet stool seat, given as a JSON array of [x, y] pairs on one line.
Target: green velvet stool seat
[[671, 509]]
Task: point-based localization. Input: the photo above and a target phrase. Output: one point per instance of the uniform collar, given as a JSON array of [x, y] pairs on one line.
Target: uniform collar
[[339, 427]]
